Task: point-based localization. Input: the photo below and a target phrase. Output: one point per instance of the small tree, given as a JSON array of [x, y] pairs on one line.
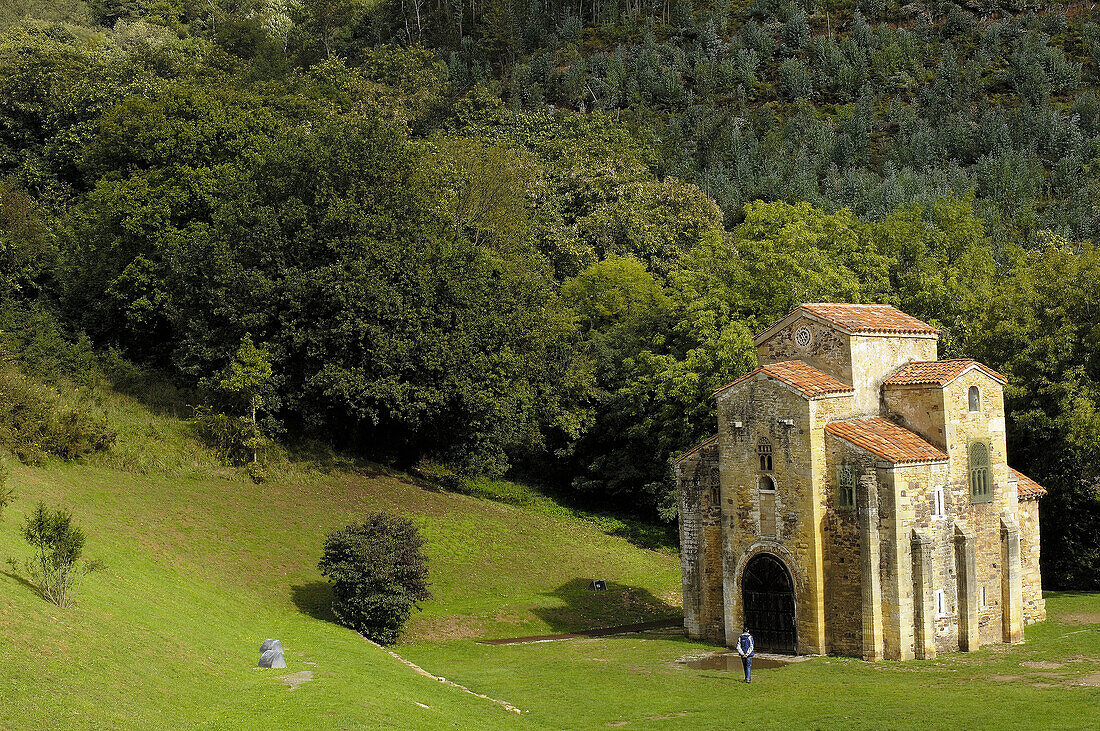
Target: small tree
[[7, 494], [248, 378], [55, 566], [378, 574]]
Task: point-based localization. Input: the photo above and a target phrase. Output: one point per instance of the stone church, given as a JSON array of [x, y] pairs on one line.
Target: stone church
[[857, 499]]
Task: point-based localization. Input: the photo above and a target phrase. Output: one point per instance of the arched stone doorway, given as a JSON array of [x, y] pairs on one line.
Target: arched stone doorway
[[768, 599]]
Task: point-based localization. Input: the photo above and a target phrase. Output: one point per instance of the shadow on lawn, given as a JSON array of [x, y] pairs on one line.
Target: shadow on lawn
[[314, 599], [581, 609], [20, 580]]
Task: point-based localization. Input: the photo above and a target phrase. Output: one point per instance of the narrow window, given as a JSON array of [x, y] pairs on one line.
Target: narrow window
[[937, 503], [983, 604], [981, 487], [845, 487], [975, 399], [767, 483], [764, 451], [715, 493], [941, 610]]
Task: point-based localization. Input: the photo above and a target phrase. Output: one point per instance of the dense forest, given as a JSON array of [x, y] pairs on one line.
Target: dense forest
[[532, 236]]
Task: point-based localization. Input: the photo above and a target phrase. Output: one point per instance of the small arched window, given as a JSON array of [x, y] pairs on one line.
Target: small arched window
[[981, 486], [767, 484], [764, 452], [975, 399]]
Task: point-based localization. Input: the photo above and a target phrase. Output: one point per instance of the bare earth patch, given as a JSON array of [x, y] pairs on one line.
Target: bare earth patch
[[1081, 618], [293, 680], [452, 627], [1042, 665], [1092, 680]]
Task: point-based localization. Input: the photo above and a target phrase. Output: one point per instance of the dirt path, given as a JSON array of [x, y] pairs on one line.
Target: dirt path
[[600, 632]]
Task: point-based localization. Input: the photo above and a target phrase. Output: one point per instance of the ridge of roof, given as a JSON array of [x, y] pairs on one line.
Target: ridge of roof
[[887, 440], [856, 319], [805, 379], [696, 448], [1027, 488], [938, 372]]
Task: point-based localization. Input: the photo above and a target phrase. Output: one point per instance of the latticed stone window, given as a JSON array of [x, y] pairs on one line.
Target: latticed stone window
[[846, 486], [974, 397], [981, 485], [764, 451], [715, 488]]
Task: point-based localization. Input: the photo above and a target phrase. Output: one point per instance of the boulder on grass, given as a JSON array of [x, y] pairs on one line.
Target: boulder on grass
[[272, 659], [271, 645]]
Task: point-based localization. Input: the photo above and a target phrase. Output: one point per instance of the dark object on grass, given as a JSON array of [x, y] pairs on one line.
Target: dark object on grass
[[597, 585], [378, 573]]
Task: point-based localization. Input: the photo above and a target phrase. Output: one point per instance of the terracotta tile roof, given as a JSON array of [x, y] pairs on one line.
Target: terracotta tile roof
[[1027, 488], [871, 319], [697, 447], [938, 372], [887, 440], [807, 380]]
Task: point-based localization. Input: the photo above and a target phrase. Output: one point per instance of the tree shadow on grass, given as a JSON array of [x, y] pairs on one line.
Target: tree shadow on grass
[[582, 609], [314, 600], [21, 580]]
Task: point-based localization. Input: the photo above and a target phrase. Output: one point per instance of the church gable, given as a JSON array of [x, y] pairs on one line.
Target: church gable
[[798, 377]]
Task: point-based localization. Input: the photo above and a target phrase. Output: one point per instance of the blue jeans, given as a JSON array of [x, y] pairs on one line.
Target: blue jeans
[[747, 662]]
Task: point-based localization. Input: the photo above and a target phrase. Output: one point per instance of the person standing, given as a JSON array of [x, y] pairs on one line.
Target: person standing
[[746, 648]]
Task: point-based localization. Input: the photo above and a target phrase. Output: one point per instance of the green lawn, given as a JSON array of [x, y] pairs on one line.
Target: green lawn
[[635, 681], [201, 568], [202, 565]]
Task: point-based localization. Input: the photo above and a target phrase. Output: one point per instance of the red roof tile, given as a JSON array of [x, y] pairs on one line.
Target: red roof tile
[[697, 447], [938, 372], [807, 380], [1027, 488], [887, 440], [872, 319]]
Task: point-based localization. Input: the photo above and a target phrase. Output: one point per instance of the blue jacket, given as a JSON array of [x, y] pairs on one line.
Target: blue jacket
[[745, 646]]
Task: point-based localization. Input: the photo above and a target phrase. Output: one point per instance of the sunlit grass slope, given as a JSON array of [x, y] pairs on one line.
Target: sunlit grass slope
[[203, 565]]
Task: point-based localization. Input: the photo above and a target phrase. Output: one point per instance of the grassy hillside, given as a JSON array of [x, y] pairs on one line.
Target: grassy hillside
[[202, 565]]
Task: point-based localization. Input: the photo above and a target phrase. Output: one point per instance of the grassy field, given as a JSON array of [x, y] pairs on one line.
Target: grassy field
[[1053, 681], [202, 565]]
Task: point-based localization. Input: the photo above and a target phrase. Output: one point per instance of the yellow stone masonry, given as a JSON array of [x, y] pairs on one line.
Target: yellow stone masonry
[[816, 541]]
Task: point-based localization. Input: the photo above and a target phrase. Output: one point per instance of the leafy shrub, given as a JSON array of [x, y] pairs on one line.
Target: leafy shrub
[[55, 567], [378, 574], [235, 439], [34, 423]]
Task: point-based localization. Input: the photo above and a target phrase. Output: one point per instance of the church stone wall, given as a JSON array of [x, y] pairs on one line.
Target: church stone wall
[[984, 520], [919, 409], [782, 522], [844, 552], [1035, 607], [876, 358], [701, 544]]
